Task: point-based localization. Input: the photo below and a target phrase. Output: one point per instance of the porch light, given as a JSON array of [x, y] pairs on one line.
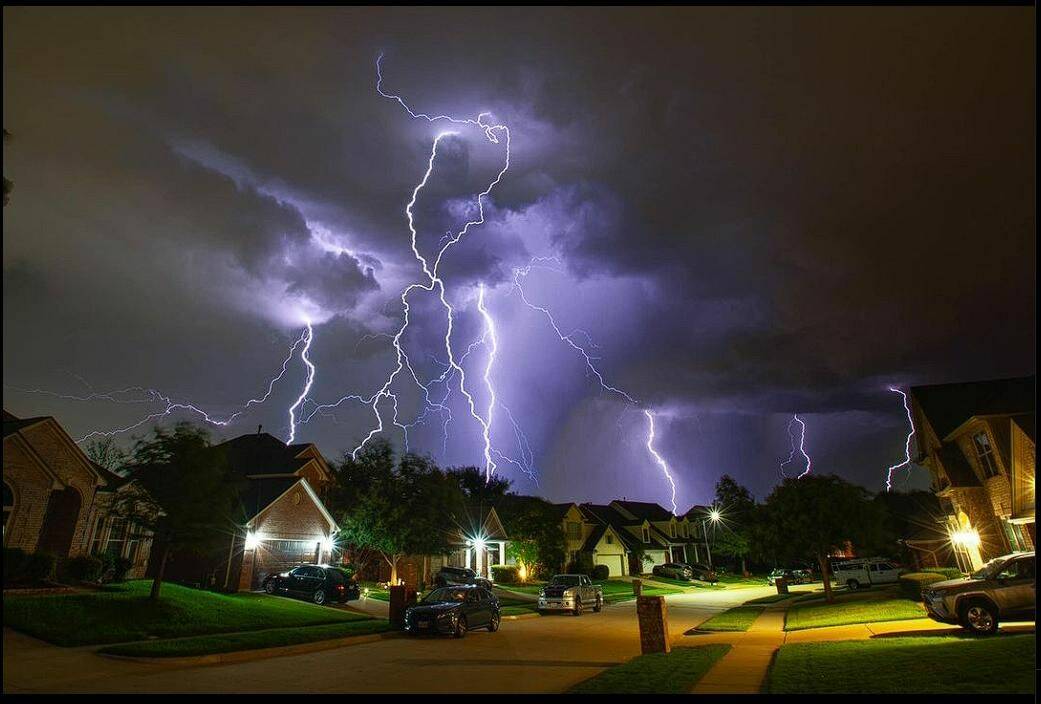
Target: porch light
[[966, 537], [328, 543], [715, 515], [252, 540]]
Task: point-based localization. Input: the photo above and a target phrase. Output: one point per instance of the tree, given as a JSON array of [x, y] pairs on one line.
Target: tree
[[183, 494], [478, 488], [809, 518], [395, 509], [107, 453], [737, 508], [536, 539]]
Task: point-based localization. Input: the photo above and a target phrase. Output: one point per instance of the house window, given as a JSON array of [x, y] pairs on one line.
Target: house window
[[117, 537], [683, 530], [985, 455], [8, 505], [574, 530], [672, 530], [646, 534], [96, 545], [609, 538]]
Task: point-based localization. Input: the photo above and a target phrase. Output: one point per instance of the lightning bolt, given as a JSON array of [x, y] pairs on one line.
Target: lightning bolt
[[169, 406], [907, 443], [308, 336], [658, 458], [800, 448], [493, 350]]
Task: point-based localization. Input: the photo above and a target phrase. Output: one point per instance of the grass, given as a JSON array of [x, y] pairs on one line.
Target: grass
[[375, 591], [737, 581], [841, 613], [660, 673], [929, 664], [684, 583], [124, 613], [617, 590], [526, 588], [249, 640], [738, 618]]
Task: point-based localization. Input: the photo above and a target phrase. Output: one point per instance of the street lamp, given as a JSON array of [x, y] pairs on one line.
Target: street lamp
[[713, 515]]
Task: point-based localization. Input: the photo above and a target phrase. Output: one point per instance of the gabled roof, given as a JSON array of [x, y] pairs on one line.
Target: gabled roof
[[259, 494], [947, 406], [483, 521], [563, 508], [12, 423], [258, 454], [645, 510], [606, 516]]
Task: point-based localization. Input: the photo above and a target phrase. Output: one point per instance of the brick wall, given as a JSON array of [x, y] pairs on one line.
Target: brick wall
[[32, 487]]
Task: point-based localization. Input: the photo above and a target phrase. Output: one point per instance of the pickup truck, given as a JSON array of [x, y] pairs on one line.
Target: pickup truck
[[570, 592]]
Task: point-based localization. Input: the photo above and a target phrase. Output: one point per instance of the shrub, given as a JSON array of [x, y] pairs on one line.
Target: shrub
[[507, 574], [14, 564], [601, 572], [912, 583], [114, 569], [82, 568], [947, 572], [38, 567]]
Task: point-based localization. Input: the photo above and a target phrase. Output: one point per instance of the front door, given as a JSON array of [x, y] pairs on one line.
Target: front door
[[59, 522]]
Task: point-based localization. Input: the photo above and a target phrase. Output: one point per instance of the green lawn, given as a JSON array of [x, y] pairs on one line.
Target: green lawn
[[526, 588], [926, 664], [819, 615], [738, 618], [736, 581], [124, 613], [249, 640], [684, 583], [660, 673]]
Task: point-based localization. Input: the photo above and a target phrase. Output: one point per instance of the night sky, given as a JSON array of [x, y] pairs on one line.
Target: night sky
[[750, 213]]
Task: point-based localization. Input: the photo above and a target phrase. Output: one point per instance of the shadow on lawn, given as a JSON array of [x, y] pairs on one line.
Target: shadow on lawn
[[955, 632]]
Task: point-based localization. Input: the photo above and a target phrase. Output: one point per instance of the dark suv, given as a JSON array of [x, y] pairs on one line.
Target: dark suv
[[317, 583], [460, 575]]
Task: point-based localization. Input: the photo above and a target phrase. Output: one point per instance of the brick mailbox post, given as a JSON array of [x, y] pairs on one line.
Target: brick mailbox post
[[782, 585], [653, 615], [400, 599]]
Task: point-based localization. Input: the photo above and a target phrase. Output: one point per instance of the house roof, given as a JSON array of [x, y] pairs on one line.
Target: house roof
[[1026, 423], [645, 510], [262, 453], [482, 520], [563, 508], [113, 481], [12, 423], [594, 538], [947, 406], [258, 494], [957, 467], [606, 515]]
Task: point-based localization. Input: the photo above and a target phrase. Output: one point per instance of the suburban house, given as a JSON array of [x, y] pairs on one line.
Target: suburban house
[[477, 539], [56, 499], [588, 537], [680, 536], [283, 521], [977, 441]]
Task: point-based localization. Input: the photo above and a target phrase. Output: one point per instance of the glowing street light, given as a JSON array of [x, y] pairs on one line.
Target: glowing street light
[[713, 515]]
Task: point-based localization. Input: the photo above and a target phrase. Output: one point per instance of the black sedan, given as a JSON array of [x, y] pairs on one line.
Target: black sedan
[[454, 611], [317, 583]]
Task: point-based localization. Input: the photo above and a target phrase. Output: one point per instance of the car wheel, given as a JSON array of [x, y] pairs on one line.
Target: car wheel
[[599, 606], [460, 627], [979, 617], [493, 624], [578, 607], [319, 597], [853, 585], [269, 586]]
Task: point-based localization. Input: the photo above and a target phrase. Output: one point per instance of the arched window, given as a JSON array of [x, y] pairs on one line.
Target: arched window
[[8, 506]]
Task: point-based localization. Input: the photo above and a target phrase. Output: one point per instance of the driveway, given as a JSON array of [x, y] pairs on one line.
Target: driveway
[[547, 654]]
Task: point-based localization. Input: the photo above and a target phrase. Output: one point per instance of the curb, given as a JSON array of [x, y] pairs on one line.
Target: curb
[[260, 653], [521, 617]]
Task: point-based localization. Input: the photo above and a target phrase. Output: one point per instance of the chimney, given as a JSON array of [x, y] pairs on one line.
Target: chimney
[[259, 428]]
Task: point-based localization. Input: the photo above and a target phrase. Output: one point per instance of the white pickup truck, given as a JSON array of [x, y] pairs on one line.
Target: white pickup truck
[[866, 572], [571, 592]]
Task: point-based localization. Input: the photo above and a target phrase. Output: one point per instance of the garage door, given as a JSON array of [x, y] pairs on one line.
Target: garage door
[[281, 555], [613, 562]]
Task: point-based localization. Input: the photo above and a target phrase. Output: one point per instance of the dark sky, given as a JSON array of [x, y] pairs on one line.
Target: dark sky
[[753, 213]]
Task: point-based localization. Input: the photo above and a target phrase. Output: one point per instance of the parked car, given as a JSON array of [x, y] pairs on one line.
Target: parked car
[[673, 570], [861, 573], [317, 583], [454, 610], [791, 576], [570, 592], [703, 573], [460, 576], [1003, 589]]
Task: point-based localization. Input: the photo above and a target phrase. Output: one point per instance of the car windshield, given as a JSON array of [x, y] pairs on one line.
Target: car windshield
[[445, 594], [566, 580], [990, 569]]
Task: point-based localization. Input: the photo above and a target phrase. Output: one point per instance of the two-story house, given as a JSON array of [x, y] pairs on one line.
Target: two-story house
[[586, 534], [977, 441]]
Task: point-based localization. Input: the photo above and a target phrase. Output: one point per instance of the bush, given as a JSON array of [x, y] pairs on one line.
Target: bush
[[14, 564], [114, 569], [947, 572], [507, 574], [82, 568], [601, 572], [35, 567], [911, 584]]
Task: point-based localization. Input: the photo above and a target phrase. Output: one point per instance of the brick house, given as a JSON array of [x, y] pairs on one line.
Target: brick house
[[56, 499], [586, 534], [977, 441], [283, 521]]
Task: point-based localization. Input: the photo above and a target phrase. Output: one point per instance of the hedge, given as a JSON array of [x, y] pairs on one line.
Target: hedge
[[507, 574], [912, 583], [601, 572], [947, 572], [21, 567], [82, 568]]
